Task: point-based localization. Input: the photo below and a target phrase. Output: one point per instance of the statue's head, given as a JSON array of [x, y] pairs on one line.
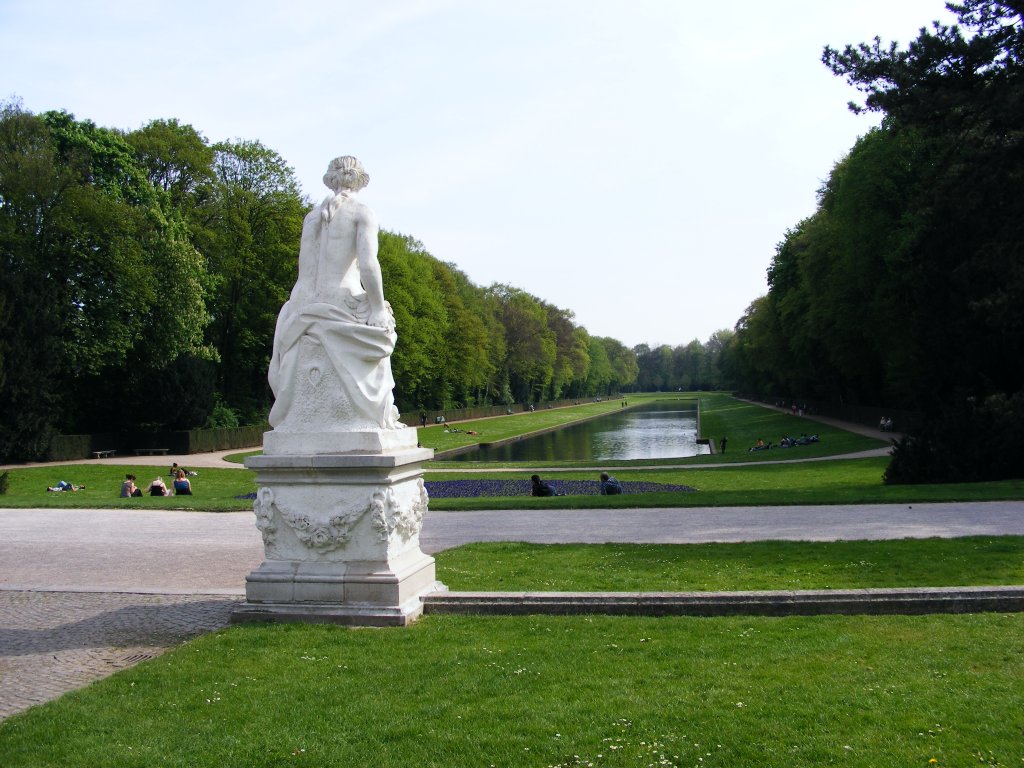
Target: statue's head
[[346, 173]]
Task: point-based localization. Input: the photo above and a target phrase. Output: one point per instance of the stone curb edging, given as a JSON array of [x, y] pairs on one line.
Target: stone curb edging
[[907, 601]]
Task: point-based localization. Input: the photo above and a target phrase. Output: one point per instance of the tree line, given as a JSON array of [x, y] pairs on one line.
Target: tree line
[[906, 286], [143, 272]]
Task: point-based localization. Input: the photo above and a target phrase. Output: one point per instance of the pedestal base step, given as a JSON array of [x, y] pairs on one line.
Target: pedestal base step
[[349, 615], [905, 601]]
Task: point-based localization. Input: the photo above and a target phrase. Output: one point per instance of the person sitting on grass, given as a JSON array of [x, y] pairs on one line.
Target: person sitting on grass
[[158, 488], [182, 486], [128, 489], [610, 486], [540, 487]]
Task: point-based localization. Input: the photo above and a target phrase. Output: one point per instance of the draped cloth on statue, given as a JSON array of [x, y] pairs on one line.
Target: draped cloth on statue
[[359, 356]]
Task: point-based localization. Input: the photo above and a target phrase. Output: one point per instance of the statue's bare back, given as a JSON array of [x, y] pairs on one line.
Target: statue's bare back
[[337, 305]]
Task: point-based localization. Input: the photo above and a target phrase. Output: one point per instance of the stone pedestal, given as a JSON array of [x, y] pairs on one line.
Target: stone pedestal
[[341, 535]]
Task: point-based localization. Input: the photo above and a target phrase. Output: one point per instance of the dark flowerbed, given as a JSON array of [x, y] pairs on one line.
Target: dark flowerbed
[[461, 489], [464, 489]]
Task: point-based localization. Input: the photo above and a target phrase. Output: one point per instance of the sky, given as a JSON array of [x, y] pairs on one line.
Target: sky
[[633, 161]]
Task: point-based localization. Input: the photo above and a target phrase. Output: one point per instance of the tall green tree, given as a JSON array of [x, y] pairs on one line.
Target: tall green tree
[[88, 245], [623, 364], [531, 347], [251, 227], [469, 363], [600, 374], [904, 288], [572, 356], [177, 159], [959, 90], [421, 358]]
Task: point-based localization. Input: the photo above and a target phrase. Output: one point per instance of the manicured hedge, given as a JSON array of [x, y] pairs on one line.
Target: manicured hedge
[[71, 447]]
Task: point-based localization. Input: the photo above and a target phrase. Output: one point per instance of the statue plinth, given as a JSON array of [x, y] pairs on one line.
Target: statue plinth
[[340, 533], [341, 497]]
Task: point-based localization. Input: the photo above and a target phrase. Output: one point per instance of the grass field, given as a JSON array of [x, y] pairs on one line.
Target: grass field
[[848, 481], [774, 565], [212, 489], [865, 692]]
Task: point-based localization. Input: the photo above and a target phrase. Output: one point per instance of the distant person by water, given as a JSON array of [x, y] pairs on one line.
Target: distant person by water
[[609, 485], [540, 487]]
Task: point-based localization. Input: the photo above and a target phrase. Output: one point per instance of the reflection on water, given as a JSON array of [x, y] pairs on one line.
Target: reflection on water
[[663, 430]]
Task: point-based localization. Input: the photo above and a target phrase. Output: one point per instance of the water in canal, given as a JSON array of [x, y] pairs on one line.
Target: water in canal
[[661, 430]]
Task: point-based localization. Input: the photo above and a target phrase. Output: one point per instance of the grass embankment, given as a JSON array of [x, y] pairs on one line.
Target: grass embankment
[[745, 423], [556, 691], [440, 437]]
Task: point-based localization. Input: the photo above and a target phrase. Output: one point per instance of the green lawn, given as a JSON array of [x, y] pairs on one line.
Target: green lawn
[[212, 489], [775, 565], [745, 423], [868, 692], [842, 481]]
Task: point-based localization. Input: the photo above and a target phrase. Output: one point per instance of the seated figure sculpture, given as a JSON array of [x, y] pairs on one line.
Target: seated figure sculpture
[[331, 365]]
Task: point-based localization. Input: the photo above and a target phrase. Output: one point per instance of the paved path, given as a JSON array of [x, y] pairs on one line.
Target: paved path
[[175, 552], [191, 460], [55, 642], [84, 593]]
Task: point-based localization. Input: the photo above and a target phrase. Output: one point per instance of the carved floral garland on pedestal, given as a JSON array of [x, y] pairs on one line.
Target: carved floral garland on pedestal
[[388, 517], [391, 517]]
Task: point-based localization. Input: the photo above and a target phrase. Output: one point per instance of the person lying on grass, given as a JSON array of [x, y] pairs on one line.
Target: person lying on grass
[[64, 485]]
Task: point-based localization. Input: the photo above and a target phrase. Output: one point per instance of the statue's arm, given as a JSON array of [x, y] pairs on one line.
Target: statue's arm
[[309, 249], [369, 268]]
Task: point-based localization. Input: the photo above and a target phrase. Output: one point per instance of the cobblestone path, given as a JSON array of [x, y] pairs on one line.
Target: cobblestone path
[[55, 642]]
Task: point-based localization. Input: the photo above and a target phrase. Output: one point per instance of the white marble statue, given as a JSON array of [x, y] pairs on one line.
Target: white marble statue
[[331, 364]]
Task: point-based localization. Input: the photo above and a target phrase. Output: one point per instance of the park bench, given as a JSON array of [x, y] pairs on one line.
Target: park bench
[[151, 451], [104, 454]]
